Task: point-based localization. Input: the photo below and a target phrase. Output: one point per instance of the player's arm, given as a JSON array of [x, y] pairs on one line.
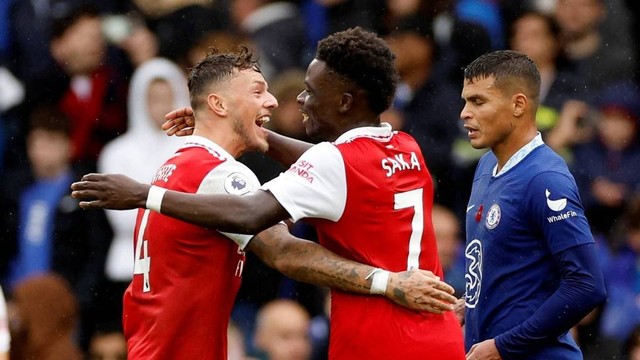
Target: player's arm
[[581, 285], [248, 214], [581, 290], [282, 148], [309, 262]]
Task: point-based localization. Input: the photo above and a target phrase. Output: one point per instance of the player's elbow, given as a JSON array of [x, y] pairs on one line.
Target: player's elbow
[[593, 292], [599, 294]]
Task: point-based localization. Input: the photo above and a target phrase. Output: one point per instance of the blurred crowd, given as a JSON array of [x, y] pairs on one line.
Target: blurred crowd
[[85, 84]]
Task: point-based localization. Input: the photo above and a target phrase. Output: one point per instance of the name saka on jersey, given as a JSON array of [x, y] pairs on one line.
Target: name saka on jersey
[[399, 163]]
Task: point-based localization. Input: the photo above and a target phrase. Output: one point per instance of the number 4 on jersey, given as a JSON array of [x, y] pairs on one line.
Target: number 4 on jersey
[[142, 262]]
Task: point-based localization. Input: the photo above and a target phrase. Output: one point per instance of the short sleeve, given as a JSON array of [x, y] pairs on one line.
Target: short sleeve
[[234, 178], [555, 208], [315, 186]]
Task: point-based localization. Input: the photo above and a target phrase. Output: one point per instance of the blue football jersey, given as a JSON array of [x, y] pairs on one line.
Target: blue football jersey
[[516, 221]]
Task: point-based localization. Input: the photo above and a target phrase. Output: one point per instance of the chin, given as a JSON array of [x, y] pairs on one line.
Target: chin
[[261, 146]]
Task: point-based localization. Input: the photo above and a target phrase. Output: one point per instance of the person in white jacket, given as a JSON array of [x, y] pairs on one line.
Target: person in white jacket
[[157, 86]]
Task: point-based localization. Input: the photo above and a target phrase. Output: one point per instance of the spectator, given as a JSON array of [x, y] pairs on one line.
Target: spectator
[[177, 36], [596, 61], [46, 316], [131, 34], [108, 343], [282, 331], [538, 36], [88, 89], [607, 167], [277, 29], [621, 314], [157, 87], [43, 228]]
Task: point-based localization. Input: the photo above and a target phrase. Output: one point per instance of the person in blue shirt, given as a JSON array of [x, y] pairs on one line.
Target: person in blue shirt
[[531, 266]]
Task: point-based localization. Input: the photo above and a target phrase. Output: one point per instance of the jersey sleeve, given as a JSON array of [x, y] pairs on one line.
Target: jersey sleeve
[[315, 186], [555, 208], [231, 177]]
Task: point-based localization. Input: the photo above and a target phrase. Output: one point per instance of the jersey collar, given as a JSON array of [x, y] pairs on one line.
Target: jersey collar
[[212, 147], [519, 155], [382, 133]]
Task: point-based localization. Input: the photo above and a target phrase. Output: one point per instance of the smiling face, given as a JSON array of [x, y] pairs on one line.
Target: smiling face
[[487, 113], [320, 102], [249, 106]]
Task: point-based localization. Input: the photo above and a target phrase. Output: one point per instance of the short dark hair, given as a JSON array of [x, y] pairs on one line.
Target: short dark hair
[[503, 66], [62, 22], [49, 117], [217, 67], [365, 59]]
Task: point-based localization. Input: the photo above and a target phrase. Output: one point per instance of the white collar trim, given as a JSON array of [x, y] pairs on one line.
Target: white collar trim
[[212, 147], [519, 155], [382, 133]]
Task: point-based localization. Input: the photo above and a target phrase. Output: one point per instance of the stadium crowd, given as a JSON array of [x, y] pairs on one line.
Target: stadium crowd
[[85, 84]]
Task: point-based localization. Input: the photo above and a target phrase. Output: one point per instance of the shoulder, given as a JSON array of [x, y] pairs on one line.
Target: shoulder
[[543, 160], [230, 177]]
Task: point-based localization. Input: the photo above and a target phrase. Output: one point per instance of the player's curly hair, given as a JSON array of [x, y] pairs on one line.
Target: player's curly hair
[[366, 60], [217, 67]]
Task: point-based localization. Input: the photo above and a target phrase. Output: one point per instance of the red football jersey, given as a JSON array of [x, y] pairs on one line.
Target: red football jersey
[[376, 210], [185, 277]]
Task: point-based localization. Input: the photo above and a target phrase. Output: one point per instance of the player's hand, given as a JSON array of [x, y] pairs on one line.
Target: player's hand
[[179, 122], [459, 309], [110, 191], [485, 350], [420, 290]]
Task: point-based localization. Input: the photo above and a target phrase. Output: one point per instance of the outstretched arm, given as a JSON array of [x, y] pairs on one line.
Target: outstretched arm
[[309, 262], [282, 148], [240, 214]]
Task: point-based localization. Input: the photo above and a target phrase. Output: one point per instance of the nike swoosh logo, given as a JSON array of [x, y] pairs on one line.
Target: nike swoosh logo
[[470, 207]]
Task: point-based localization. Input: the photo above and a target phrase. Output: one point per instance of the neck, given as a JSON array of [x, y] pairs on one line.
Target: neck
[[350, 125], [221, 133], [514, 142]]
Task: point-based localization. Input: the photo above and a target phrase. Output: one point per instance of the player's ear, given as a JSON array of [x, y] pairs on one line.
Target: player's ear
[[217, 104], [346, 102], [519, 104]]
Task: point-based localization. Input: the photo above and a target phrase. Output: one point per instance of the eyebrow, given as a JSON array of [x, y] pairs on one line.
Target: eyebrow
[[261, 83]]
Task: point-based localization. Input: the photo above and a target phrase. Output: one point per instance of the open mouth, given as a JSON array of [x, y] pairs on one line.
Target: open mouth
[[262, 120]]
